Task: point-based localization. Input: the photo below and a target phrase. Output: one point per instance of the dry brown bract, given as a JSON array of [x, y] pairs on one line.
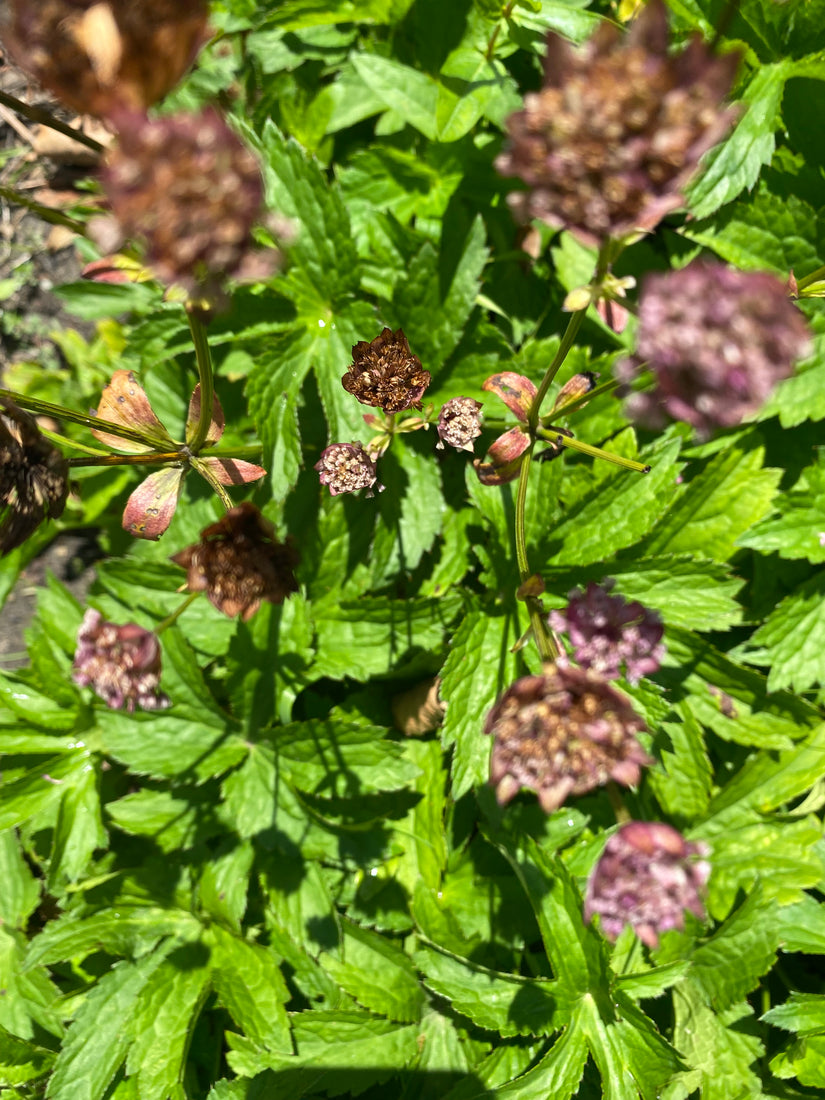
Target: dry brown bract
[[101, 55], [563, 733], [240, 562], [609, 142], [33, 477], [385, 373]]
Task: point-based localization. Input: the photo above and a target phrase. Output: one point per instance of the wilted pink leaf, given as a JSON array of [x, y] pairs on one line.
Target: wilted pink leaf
[[503, 459], [124, 402], [150, 508], [233, 471], [516, 391]]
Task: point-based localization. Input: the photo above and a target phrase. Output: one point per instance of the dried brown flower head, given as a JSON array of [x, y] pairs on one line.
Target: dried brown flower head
[[121, 664], [646, 877], [34, 477], [563, 733], [385, 373], [609, 142], [240, 562], [717, 340], [190, 189], [99, 56], [459, 423], [346, 468]]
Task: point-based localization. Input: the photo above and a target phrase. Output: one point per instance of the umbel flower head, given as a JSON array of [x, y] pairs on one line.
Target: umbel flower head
[[98, 56], [34, 477], [563, 733], [459, 423], [717, 340], [346, 468], [384, 373], [121, 664], [610, 634], [239, 562], [646, 877], [618, 128], [189, 188]]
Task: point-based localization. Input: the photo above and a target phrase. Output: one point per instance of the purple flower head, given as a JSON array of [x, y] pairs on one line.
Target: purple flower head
[[459, 423], [563, 733], [717, 341], [610, 635], [346, 468], [646, 877], [121, 664]]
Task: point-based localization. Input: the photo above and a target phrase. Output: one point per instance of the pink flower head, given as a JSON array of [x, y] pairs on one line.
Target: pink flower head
[[121, 664], [346, 468]]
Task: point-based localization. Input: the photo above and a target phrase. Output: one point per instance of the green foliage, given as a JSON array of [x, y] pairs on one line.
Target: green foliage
[[295, 881]]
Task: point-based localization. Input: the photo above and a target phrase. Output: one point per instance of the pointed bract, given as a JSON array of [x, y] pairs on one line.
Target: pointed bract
[[124, 402], [150, 508], [516, 391]]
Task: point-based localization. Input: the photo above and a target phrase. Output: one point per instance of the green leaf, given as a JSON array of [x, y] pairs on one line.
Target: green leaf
[[558, 1074], [731, 494], [21, 890], [794, 533], [800, 927], [22, 1061], [508, 1004], [78, 831], [41, 787], [792, 639], [802, 1012], [169, 821], [802, 396], [721, 1049], [653, 982], [729, 965], [413, 95], [100, 1033], [122, 931], [250, 986], [163, 745], [165, 1016], [479, 667], [683, 782], [34, 706], [225, 881], [735, 164], [377, 974]]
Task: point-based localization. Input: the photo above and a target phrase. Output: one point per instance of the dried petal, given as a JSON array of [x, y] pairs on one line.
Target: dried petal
[[34, 477], [609, 142], [98, 56], [386, 374], [503, 459], [216, 424], [646, 877], [233, 471], [150, 508], [121, 664], [563, 733], [239, 562], [516, 391], [124, 402], [717, 341], [459, 423], [346, 468], [609, 634]]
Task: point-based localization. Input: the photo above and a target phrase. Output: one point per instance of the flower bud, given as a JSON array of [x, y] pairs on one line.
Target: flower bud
[[563, 733], [121, 664], [646, 877]]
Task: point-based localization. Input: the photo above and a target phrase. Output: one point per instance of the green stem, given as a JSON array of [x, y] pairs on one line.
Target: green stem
[[814, 277], [145, 458], [567, 341], [205, 375], [250, 452], [620, 811], [47, 213], [546, 645], [58, 412], [170, 619], [594, 452], [64, 441], [46, 118], [208, 475], [572, 406], [505, 14]]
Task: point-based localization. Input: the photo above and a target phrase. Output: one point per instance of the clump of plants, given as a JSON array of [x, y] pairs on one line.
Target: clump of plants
[[445, 719]]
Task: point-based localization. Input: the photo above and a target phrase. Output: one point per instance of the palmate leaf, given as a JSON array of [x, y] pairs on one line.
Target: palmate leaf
[[558, 1074], [377, 974]]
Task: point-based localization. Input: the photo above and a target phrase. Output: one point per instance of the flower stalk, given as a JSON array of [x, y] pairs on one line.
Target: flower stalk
[[205, 376]]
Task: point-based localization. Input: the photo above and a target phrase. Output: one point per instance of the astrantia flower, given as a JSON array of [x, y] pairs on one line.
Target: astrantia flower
[[121, 664], [563, 733], [607, 145], [239, 562], [189, 188], [609, 635], [459, 423], [346, 468], [647, 876], [717, 340], [385, 373], [101, 55], [34, 477]]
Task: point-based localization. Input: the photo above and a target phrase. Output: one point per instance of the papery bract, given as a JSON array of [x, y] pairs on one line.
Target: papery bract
[[34, 477], [385, 373]]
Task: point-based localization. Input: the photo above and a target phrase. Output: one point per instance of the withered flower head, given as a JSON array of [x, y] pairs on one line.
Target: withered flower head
[[240, 562], [34, 477], [609, 142], [346, 468], [459, 423], [99, 56], [563, 733], [190, 189], [121, 664], [609, 634], [385, 373], [717, 340], [646, 877]]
